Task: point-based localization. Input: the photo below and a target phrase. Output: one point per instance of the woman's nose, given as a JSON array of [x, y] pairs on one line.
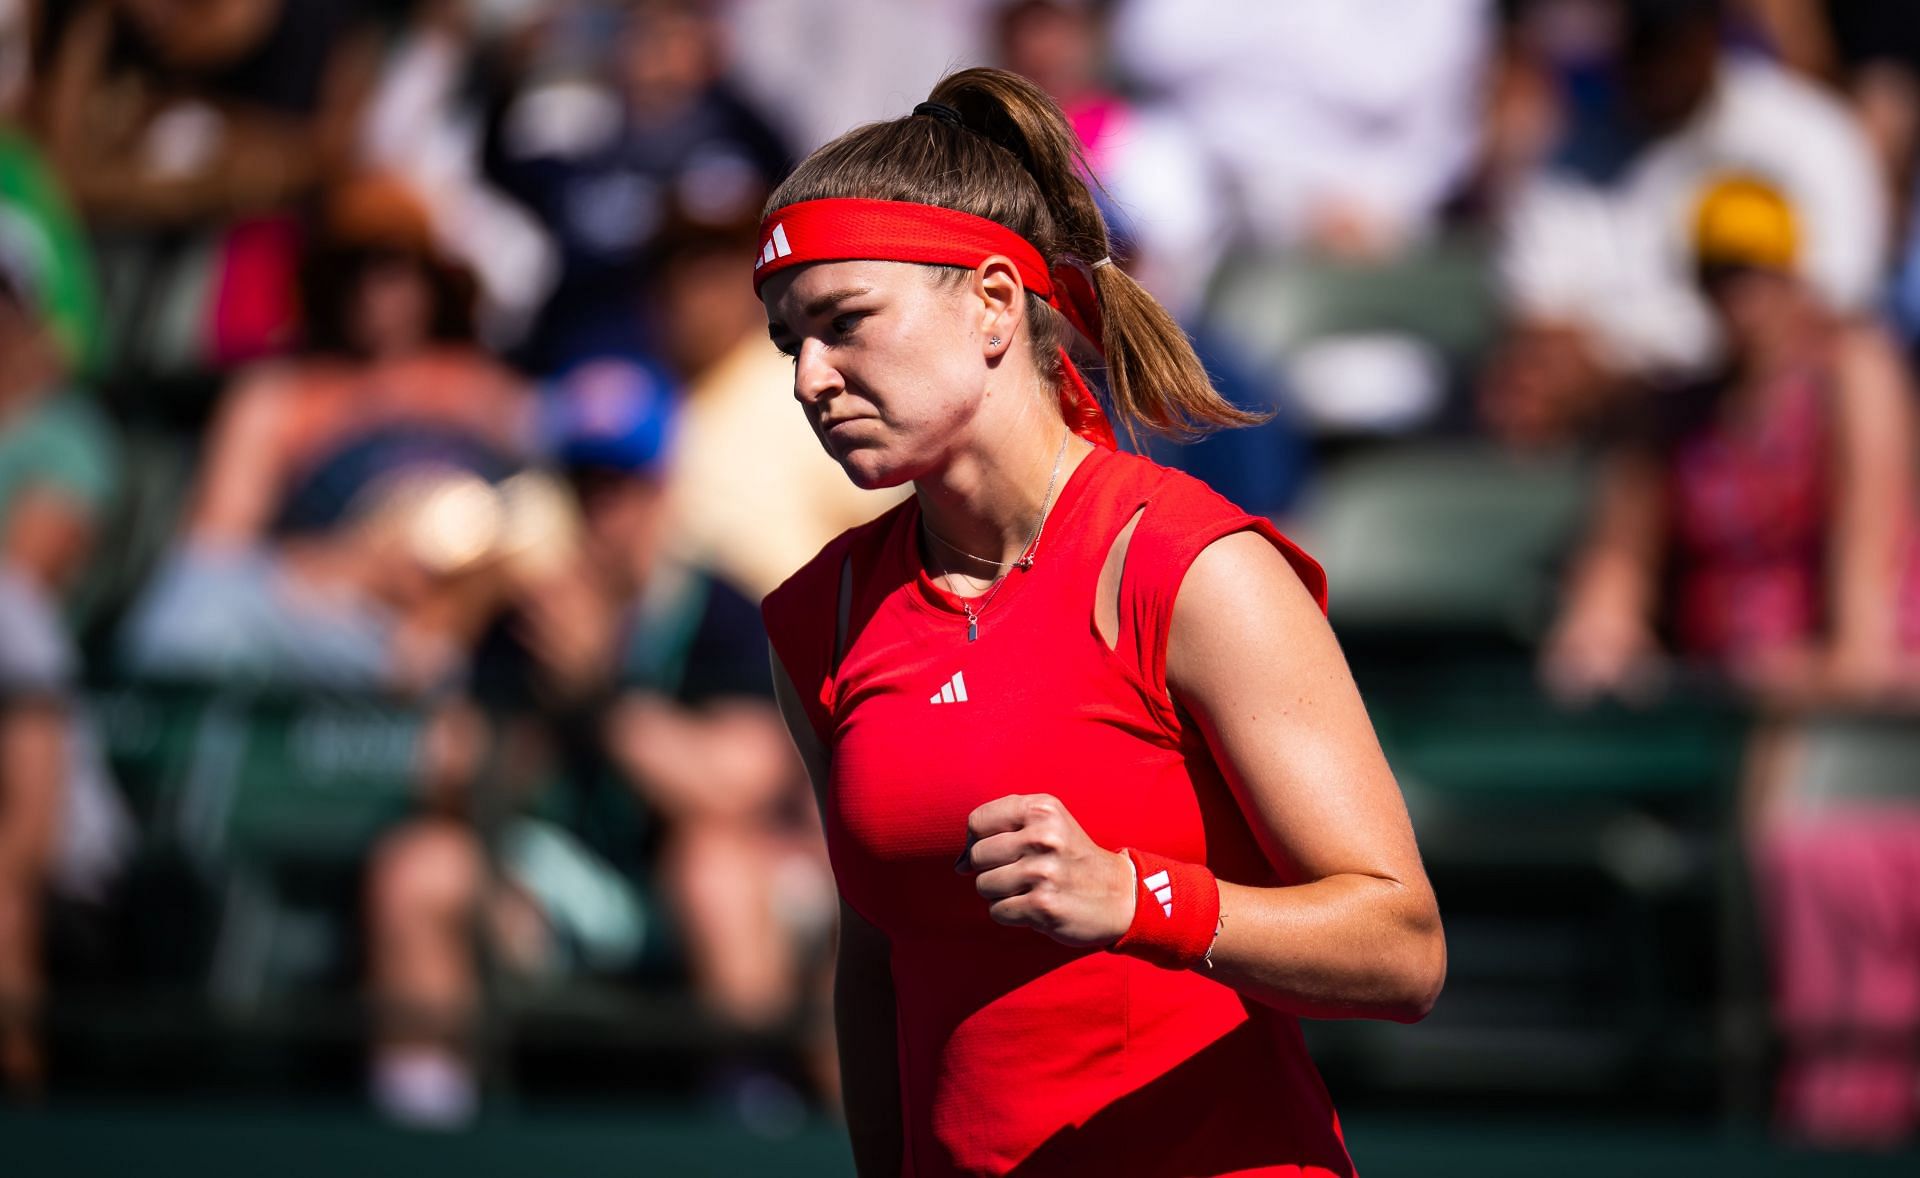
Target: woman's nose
[[813, 377]]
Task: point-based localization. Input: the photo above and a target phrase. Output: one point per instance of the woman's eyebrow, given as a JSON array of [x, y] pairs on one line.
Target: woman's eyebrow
[[820, 304], [817, 306]]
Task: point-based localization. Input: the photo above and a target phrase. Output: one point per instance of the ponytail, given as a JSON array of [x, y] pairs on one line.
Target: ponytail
[[1014, 159]]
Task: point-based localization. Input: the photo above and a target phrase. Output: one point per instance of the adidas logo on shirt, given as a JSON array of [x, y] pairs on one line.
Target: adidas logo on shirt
[[953, 691], [777, 246], [1162, 889]]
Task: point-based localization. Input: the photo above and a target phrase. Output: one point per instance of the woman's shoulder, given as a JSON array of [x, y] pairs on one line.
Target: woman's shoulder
[[802, 614], [1182, 516], [454, 367]]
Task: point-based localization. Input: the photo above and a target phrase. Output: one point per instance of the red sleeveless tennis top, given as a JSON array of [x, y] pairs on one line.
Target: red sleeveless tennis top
[[1019, 1055]]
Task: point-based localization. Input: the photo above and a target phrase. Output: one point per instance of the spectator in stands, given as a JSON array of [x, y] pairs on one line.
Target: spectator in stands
[[1870, 52], [1329, 133], [1336, 152], [388, 340], [1159, 193], [66, 294], [179, 111], [661, 669], [187, 131], [383, 570], [423, 124], [1159, 187], [316, 464], [1776, 502], [693, 730], [60, 826], [628, 116], [751, 493], [818, 69], [1596, 264], [16, 57], [1777, 496]]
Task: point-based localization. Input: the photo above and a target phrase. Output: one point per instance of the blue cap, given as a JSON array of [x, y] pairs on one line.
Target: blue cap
[[611, 413]]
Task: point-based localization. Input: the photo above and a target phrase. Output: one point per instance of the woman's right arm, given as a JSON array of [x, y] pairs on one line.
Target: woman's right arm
[[863, 1004], [241, 477], [1605, 632]]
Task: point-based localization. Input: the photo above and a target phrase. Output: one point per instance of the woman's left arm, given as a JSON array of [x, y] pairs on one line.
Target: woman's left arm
[[1253, 661], [1355, 932], [1873, 497]]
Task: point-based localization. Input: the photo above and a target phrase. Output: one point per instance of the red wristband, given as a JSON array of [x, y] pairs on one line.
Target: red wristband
[[1176, 910]]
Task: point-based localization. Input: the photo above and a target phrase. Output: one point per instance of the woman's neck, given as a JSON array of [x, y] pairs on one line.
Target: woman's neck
[[1793, 350], [988, 502]]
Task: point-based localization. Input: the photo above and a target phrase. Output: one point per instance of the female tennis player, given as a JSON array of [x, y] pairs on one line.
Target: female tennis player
[[1103, 803]]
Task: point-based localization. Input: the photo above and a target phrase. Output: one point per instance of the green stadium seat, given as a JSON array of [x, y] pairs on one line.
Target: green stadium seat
[[231, 773], [277, 798], [1577, 854], [319, 778], [1445, 535], [1483, 726]]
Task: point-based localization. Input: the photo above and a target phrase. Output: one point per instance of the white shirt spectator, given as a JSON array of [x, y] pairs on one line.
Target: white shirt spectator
[[1617, 260], [823, 69], [1164, 198], [1368, 107], [416, 125]]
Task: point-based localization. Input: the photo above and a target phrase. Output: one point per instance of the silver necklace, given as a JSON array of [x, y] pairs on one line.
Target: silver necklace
[[950, 546], [1027, 552]]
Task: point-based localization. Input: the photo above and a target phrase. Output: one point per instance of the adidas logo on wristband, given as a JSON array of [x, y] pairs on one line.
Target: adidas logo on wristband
[[1162, 888]]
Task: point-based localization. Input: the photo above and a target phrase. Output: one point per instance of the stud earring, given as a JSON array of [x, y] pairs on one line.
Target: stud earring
[[994, 340]]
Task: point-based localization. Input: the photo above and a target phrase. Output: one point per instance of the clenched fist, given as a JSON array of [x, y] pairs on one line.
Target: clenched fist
[[1036, 867]]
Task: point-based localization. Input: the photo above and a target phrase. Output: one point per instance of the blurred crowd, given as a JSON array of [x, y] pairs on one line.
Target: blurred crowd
[[406, 350]]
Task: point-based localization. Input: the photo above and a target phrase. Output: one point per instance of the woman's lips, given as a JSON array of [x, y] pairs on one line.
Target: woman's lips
[[842, 427], [841, 435]]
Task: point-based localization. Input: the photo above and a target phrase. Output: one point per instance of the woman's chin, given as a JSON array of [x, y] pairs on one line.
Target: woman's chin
[[874, 480], [871, 471]]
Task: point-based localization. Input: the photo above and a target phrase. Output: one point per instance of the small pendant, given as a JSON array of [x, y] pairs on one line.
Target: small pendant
[[973, 625]]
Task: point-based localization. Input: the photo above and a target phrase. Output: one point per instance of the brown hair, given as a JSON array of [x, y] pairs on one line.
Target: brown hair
[[359, 225], [1014, 159]]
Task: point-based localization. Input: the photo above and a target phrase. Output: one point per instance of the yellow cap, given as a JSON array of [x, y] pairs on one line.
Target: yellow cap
[[1743, 221]]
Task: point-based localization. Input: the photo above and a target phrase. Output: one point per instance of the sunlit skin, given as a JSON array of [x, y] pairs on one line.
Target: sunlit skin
[[896, 368]]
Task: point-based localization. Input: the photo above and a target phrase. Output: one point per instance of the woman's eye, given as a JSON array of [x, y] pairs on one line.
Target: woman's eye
[[839, 328]]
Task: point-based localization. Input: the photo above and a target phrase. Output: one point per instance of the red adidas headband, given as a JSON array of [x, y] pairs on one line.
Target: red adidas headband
[[847, 229]]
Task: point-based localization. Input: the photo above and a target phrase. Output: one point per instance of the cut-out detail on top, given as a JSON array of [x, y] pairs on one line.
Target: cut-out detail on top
[[1106, 597], [843, 620]]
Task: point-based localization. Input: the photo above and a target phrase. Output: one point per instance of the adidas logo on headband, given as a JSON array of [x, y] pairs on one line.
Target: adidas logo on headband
[[777, 246]]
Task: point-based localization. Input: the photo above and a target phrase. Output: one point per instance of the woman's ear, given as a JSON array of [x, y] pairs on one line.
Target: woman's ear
[[1003, 304]]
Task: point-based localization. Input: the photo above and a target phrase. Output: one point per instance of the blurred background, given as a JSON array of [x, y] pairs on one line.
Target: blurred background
[[392, 457]]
